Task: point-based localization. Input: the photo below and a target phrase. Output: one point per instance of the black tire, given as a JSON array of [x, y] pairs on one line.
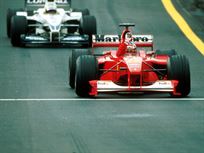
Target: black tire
[[10, 13], [170, 53], [89, 27], [18, 27], [86, 70], [72, 64], [83, 11], [178, 69]]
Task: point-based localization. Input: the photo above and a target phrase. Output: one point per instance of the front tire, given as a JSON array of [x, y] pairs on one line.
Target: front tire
[[89, 27], [18, 27], [178, 69], [86, 70], [10, 14], [72, 64]]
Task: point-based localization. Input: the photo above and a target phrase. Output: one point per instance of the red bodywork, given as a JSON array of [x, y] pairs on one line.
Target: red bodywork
[[142, 71]]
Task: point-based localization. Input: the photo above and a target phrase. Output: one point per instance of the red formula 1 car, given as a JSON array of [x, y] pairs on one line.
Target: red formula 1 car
[[132, 67]]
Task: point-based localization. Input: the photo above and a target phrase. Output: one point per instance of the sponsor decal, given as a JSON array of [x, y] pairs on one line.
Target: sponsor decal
[[164, 83], [43, 1], [107, 38], [117, 38], [101, 83], [134, 63]]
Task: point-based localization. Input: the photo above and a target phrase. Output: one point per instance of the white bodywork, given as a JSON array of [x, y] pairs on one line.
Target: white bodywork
[[55, 21]]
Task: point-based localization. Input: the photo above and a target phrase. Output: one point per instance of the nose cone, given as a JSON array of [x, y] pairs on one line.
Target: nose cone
[[54, 21], [134, 64]]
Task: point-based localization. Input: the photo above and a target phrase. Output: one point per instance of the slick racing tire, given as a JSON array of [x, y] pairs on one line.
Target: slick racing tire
[[10, 13], [89, 27], [170, 53], [86, 70], [178, 69], [18, 27], [83, 11], [72, 64]]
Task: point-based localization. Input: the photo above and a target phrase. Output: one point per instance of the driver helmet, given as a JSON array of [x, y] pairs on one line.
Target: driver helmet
[[131, 47], [50, 6], [128, 36]]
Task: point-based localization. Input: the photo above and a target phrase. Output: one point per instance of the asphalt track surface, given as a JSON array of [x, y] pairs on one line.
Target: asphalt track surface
[[74, 125]]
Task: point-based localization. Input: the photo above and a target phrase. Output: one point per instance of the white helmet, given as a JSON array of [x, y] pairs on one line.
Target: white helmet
[[50, 6]]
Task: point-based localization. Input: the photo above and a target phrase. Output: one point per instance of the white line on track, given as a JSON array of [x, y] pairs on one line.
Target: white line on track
[[134, 115], [104, 99]]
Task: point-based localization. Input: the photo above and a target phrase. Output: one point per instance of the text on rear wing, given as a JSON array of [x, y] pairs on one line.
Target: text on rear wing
[[117, 38], [43, 1]]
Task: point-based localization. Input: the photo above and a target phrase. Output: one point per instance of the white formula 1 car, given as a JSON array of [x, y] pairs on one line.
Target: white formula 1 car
[[51, 22]]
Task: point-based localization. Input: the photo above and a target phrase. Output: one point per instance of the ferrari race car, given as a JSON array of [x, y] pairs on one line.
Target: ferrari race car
[[133, 67], [50, 22]]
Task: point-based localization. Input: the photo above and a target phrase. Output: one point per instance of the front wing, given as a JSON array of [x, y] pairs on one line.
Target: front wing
[[99, 86], [69, 40]]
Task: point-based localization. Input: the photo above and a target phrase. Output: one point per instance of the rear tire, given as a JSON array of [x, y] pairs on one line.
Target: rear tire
[[178, 69], [86, 70], [72, 64], [18, 27]]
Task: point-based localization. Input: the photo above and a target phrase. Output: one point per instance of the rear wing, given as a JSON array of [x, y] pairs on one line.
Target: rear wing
[[114, 40], [35, 4]]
